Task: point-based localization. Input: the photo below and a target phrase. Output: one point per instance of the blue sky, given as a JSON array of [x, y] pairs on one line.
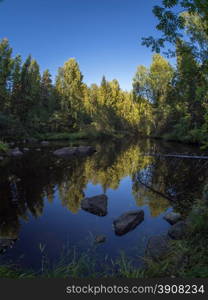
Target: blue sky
[[103, 35]]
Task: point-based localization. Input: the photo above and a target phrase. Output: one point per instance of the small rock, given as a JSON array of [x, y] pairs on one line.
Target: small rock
[[26, 149], [38, 149], [1, 158], [128, 221], [172, 217], [44, 143], [32, 140], [16, 152], [178, 231], [100, 239], [157, 247], [6, 243], [96, 205]]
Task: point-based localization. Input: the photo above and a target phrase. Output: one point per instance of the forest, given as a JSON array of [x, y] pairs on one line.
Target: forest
[[150, 152], [167, 101]]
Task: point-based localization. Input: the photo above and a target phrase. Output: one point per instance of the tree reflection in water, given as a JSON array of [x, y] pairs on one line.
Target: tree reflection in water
[[27, 182]]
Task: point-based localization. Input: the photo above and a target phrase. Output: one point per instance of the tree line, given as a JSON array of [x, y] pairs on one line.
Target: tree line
[[30, 103], [168, 101]]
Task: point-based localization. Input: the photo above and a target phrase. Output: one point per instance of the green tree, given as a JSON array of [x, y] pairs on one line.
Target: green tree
[[152, 84], [69, 86], [6, 64], [47, 98]]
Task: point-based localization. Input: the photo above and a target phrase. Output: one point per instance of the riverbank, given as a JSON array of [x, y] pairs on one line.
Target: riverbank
[[8, 144], [64, 136], [92, 135]]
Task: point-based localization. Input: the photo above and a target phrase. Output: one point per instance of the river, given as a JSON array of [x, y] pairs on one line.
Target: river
[[40, 196]]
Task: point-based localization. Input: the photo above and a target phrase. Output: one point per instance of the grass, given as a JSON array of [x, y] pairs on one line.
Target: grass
[[80, 135], [9, 271], [3, 147], [55, 136]]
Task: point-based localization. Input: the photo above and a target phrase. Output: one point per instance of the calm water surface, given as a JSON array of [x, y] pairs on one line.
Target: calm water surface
[[40, 198]]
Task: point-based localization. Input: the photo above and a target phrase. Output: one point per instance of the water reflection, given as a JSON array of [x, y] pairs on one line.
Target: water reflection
[[26, 183]]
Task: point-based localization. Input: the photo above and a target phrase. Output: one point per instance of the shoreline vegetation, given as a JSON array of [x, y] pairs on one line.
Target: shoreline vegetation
[[186, 258], [166, 102]]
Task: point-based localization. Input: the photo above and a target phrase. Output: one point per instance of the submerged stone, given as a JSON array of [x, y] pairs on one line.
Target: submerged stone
[[128, 221], [100, 239], [96, 205], [172, 217]]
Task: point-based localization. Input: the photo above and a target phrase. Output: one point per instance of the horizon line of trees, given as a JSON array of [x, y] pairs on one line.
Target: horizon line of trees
[[30, 103], [166, 101]]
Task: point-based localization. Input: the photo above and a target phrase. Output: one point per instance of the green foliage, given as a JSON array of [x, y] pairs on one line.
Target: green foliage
[[31, 105], [174, 25], [3, 147], [70, 87], [181, 114]]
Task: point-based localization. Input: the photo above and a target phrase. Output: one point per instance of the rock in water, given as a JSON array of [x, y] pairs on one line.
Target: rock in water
[[157, 247], [16, 152], [178, 231], [1, 158], [128, 221], [172, 217], [70, 151], [96, 205], [100, 239], [66, 151], [86, 150], [44, 143], [6, 243]]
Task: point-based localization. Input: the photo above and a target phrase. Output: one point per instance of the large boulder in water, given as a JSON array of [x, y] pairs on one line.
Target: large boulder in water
[[172, 217], [157, 247], [96, 205], [128, 221], [70, 151]]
